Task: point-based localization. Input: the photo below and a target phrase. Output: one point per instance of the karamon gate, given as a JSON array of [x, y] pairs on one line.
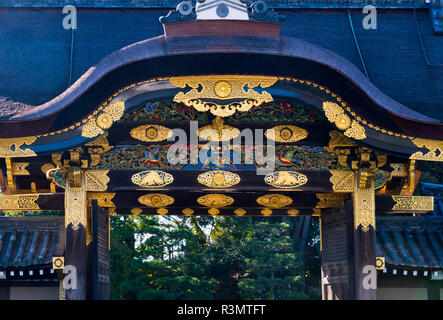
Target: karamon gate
[[243, 99]]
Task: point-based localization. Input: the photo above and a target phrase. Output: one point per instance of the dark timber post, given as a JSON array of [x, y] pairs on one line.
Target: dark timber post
[[100, 258], [363, 199], [76, 257]]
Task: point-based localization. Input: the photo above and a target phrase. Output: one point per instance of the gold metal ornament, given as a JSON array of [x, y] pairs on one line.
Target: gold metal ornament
[[274, 201], [330, 200], [156, 200], [213, 211], [19, 202], [266, 212], [136, 211], [293, 212], [215, 200], [19, 169], [95, 126], [342, 180], [286, 133], [364, 205], [240, 212], [209, 92], [46, 167], [104, 199], [188, 212], [286, 179], [336, 115], [76, 205], [399, 170], [151, 133], [12, 147], [218, 131], [435, 148], [413, 203], [218, 179], [97, 180], [162, 211], [152, 179]]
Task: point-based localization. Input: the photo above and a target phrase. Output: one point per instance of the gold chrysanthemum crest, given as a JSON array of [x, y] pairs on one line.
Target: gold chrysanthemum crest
[[218, 179]]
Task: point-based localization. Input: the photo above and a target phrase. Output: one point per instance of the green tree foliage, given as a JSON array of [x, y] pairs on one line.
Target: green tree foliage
[[203, 258]]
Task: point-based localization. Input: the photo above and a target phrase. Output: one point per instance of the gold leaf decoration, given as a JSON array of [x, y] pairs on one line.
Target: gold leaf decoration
[[215, 200], [266, 212], [337, 115], [152, 179], [435, 148], [97, 180], [46, 167], [162, 211], [274, 201], [208, 93], [218, 131], [342, 180], [104, 199], [213, 211], [136, 211], [413, 203], [188, 212], [330, 200], [95, 126], [156, 200], [18, 202], [151, 133], [218, 179], [19, 169], [293, 212], [12, 147], [240, 212], [286, 133], [286, 179]]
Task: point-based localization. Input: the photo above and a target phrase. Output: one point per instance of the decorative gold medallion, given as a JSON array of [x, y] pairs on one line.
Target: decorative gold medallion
[[215, 200], [240, 212], [208, 91], [151, 133], [95, 126], [152, 179], [136, 211], [286, 179], [286, 133], [274, 201], [213, 211], [218, 179], [156, 200], [266, 212], [336, 115], [162, 211], [293, 212], [188, 212], [380, 263]]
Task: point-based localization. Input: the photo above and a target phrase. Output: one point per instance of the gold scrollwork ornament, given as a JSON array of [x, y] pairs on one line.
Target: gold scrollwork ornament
[[215, 200], [151, 133], [156, 200], [286, 133]]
